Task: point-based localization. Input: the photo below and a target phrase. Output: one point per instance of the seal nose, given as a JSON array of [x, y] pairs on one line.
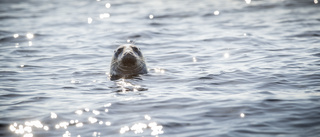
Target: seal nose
[[128, 59], [128, 55]]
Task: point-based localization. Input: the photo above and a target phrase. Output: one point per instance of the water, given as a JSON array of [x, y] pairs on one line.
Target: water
[[216, 68]]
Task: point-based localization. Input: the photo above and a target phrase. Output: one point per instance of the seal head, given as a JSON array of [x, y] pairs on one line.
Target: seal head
[[127, 62]]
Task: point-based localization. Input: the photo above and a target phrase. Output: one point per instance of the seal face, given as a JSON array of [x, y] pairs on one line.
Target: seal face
[[127, 62]]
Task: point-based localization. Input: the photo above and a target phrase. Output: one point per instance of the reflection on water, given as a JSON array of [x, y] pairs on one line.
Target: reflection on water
[[216, 68], [15, 35], [104, 15], [30, 43], [53, 115], [126, 86], [29, 35], [216, 12], [242, 115], [150, 16], [90, 20], [27, 129], [194, 59], [139, 128], [108, 5]]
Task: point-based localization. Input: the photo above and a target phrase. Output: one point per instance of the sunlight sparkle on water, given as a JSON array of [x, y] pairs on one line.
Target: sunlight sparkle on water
[[89, 20], [127, 86], [147, 117], [30, 43], [124, 129], [107, 105], [57, 126], [75, 81], [138, 128], [156, 129], [53, 115], [242, 115], [104, 15], [159, 70], [130, 41], [194, 59], [150, 16], [67, 134], [108, 5], [29, 35], [79, 124], [108, 123], [315, 1], [15, 35], [92, 120], [96, 112], [226, 55], [12, 128], [248, 1], [79, 112], [96, 134], [64, 125], [46, 128], [37, 124], [216, 12], [26, 129]]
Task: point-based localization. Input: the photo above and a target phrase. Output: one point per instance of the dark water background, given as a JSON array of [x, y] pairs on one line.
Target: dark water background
[[216, 68]]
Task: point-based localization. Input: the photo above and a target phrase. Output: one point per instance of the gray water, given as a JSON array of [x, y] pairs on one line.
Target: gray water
[[223, 68]]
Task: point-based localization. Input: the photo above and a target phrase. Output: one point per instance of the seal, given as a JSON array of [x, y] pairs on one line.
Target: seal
[[127, 62]]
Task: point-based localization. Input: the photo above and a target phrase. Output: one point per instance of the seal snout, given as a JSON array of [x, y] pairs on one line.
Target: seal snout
[[128, 59]]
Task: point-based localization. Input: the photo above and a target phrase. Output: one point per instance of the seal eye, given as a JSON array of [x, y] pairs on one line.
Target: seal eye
[[118, 51], [136, 50]]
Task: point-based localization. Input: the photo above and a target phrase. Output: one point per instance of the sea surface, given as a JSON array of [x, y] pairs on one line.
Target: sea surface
[[217, 68]]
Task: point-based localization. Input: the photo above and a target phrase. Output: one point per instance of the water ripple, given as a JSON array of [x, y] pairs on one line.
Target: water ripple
[[216, 68]]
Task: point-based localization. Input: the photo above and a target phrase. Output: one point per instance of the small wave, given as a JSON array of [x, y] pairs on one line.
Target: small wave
[[4, 73], [8, 17], [317, 54], [25, 51], [179, 15], [308, 34]]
